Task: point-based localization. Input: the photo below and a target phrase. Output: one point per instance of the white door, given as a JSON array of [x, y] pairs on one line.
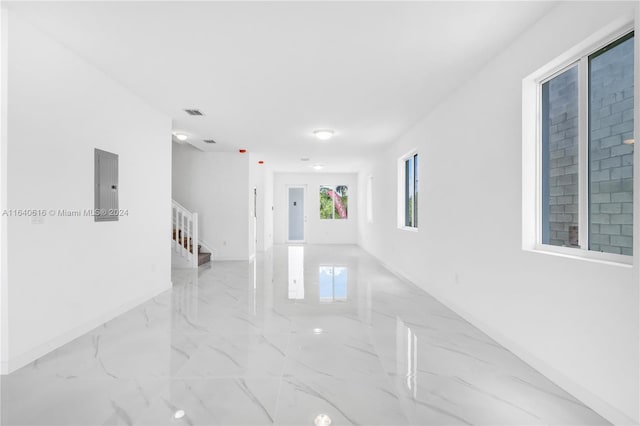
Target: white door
[[296, 214]]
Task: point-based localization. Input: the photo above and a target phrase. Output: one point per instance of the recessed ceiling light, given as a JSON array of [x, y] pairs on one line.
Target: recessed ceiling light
[[629, 141], [322, 420], [318, 167], [179, 414], [181, 136], [323, 134], [317, 331]]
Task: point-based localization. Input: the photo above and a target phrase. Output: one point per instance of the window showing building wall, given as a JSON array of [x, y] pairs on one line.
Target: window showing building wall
[[611, 148], [560, 159], [586, 135], [411, 191]]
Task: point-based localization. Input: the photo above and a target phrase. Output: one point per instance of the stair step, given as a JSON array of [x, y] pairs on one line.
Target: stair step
[[186, 243], [203, 258]]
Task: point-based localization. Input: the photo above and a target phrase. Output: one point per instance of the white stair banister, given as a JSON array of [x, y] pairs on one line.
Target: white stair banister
[[194, 236], [185, 233]]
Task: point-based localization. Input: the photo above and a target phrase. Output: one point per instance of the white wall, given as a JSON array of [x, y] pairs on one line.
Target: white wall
[[268, 226], [69, 274], [256, 180], [216, 186], [317, 231], [576, 321], [4, 323]]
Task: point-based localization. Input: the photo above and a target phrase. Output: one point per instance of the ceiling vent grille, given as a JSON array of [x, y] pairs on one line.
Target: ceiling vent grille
[[195, 112], [209, 141]]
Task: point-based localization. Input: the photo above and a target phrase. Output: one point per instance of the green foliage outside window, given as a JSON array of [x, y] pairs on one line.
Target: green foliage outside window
[[334, 202]]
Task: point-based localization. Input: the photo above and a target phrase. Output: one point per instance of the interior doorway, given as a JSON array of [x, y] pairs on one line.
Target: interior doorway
[[255, 220]]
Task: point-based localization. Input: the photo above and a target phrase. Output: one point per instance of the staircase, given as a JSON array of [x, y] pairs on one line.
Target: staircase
[[185, 232]]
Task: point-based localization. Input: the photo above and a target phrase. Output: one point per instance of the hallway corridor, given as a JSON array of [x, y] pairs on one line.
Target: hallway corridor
[[301, 334]]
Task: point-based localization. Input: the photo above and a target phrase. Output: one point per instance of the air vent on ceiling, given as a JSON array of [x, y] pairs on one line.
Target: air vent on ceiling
[[209, 141], [304, 159], [196, 112]]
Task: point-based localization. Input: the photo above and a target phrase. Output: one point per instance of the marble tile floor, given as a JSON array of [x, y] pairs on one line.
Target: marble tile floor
[[297, 337]]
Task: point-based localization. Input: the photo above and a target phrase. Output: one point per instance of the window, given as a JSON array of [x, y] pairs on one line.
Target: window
[[586, 151], [334, 202], [410, 188]]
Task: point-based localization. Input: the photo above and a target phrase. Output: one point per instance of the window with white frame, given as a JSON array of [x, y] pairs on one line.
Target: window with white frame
[[408, 197], [334, 201], [586, 144]]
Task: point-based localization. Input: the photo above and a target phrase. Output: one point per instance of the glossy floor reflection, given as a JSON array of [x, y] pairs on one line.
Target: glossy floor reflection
[[302, 335]]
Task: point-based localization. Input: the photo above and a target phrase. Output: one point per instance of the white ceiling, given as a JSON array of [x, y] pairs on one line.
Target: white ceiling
[[267, 73]]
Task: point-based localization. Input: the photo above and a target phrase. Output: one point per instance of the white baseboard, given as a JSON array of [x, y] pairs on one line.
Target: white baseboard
[[587, 397], [19, 361], [230, 259], [584, 395]]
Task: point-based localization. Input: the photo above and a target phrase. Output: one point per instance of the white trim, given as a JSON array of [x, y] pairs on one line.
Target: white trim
[[39, 351], [207, 246], [636, 172], [581, 393], [530, 160], [583, 154], [578, 253], [532, 147], [180, 205], [408, 228], [232, 259], [595, 42]]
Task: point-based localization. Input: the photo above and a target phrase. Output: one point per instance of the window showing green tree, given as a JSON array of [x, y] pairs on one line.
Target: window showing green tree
[[334, 202], [411, 191]]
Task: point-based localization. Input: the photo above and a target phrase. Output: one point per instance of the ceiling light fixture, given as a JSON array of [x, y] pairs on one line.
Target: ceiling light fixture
[[317, 331], [317, 167], [323, 134], [322, 420], [629, 141], [179, 414], [181, 136]]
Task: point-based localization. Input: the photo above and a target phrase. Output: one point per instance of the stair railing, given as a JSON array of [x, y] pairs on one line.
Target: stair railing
[[185, 233]]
